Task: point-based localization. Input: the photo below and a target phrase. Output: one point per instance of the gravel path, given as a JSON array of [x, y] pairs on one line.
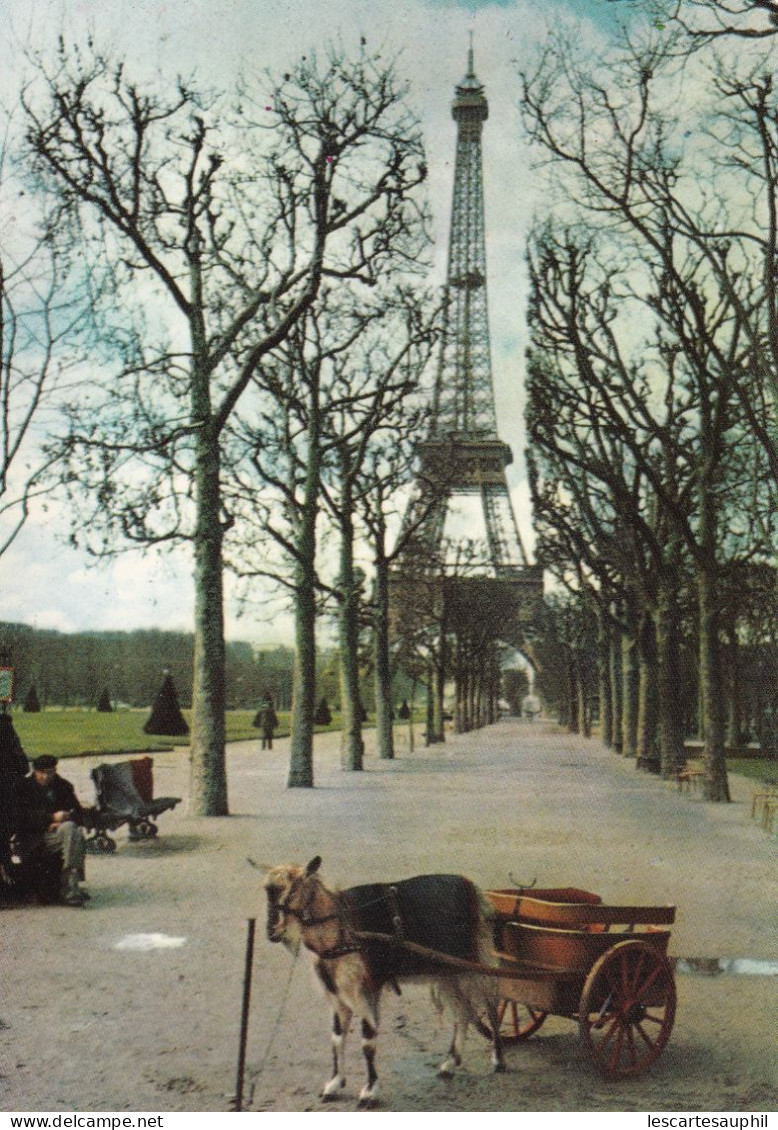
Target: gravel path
[[89, 1021]]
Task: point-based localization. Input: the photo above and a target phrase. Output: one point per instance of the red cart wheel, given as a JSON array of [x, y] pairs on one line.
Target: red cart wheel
[[627, 1009], [518, 1021]]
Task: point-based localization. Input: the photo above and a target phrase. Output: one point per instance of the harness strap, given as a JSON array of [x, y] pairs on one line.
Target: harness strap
[[336, 951], [346, 942], [394, 907]]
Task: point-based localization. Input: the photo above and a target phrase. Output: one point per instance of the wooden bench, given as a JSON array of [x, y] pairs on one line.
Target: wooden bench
[[762, 800], [689, 778], [769, 810]]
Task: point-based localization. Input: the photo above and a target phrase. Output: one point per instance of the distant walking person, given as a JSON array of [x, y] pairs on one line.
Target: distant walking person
[[266, 721]]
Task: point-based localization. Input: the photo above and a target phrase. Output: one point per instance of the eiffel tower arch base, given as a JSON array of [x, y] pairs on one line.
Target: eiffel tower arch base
[[458, 626]]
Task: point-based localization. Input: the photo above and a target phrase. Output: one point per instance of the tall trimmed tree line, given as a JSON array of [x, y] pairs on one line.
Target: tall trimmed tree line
[[653, 387]]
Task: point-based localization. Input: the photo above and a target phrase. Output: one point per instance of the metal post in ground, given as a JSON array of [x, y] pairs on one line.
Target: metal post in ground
[[244, 1017]]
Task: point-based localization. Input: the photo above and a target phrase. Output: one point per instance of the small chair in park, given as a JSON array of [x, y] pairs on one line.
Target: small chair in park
[[125, 795], [765, 805], [690, 777]]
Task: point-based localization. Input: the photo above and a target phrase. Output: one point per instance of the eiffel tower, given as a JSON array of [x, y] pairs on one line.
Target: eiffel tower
[[489, 589], [462, 453]]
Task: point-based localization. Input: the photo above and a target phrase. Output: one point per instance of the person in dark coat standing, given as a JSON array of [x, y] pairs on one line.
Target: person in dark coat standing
[[267, 721], [49, 815], [13, 768]]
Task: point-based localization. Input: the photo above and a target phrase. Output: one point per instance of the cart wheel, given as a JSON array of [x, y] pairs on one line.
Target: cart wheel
[[627, 1009], [102, 844], [518, 1021], [146, 830]]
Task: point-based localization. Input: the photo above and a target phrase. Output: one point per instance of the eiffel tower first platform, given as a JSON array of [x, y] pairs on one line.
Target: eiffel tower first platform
[[470, 590]]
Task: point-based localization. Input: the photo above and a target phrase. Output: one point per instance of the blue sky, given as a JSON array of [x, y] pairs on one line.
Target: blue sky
[[43, 581]]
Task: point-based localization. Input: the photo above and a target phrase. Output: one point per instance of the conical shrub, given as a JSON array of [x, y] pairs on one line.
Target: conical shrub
[[31, 703], [166, 717], [322, 717]]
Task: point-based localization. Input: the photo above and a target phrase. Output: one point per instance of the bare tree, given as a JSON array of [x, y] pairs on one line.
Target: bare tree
[[215, 220], [43, 308], [378, 385], [388, 469], [708, 297], [341, 384], [706, 20]]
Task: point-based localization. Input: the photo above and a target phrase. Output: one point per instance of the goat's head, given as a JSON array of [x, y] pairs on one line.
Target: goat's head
[[290, 891]]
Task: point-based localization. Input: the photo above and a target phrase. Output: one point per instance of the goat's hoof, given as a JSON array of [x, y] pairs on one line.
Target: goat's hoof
[[368, 1099], [333, 1090], [445, 1072], [500, 1068]]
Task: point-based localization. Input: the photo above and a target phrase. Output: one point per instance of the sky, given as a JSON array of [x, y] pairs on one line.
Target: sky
[[47, 584]]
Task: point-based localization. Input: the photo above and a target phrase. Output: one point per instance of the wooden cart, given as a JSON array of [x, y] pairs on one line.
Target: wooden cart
[[564, 952]]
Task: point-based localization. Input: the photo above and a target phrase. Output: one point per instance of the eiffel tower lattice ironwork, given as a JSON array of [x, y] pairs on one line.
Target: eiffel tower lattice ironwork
[[462, 453]]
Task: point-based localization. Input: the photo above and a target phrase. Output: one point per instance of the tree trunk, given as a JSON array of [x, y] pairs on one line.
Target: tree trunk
[[411, 736], [617, 690], [648, 697], [437, 686], [604, 673], [671, 723], [429, 733], [630, 698], [711, 687], [208, 775], [352, 747], [582, 690], [304, 677], [458, 687], [383, 667], [574, 715], [735, 697]]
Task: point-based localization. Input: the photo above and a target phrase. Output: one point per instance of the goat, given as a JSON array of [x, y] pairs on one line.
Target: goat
[[440, 916]]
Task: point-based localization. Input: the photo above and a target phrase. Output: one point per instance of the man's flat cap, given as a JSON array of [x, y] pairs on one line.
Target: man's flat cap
[[45, 762]]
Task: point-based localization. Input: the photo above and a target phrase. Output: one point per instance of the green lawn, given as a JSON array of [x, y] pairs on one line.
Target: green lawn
[[763, 769], [70, 733]]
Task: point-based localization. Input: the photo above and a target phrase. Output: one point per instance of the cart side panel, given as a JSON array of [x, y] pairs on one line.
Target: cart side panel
[[567, 907], [564, 950]]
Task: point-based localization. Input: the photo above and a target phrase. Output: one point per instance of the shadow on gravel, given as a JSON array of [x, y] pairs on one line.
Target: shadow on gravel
[[163, 845]]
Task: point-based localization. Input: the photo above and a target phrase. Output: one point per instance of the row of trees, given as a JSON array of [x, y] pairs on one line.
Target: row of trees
[[73, 669], [653, 385], [242, 270]]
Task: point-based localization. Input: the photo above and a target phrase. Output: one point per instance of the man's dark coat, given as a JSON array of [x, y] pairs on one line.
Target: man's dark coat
[[36, 804]]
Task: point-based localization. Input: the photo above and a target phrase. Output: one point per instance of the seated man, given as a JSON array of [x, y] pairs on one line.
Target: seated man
[[48, 819]]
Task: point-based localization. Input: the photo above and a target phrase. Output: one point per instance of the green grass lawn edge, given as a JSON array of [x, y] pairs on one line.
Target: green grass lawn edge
[[80, 733]]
